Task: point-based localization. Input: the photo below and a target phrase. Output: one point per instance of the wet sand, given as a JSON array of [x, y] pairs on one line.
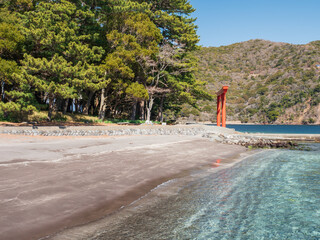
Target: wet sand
[[48, 184]]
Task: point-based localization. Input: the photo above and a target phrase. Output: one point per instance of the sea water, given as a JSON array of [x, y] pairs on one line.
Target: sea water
[[274, 194]]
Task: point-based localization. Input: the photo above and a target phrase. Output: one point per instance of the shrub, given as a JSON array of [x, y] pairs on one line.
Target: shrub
[[15, 112], [273, 115], [262, 90], [311, 120]]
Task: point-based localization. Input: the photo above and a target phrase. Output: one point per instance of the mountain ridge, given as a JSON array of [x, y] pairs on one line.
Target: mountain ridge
[[270, 82], [258, 39]]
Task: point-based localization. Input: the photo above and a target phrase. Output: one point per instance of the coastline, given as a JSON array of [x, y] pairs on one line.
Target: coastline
[[63, 182], [55, 179], [150, 199]]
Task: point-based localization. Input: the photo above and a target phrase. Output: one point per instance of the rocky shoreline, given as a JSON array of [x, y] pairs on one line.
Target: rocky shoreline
[[218, 134], [257, 142]]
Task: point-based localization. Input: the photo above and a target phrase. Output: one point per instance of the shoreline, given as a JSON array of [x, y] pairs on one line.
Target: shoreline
[[214, 133], [49, 184], [155, 195], [72, 179], [123, 130]]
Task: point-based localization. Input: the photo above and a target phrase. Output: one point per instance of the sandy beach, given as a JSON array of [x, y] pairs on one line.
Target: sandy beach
[[49, 184]]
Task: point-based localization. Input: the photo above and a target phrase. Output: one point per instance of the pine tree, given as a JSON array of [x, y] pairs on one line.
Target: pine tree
[[61, 63], [136, 41], [172, 71], [15, 101], [120, 53]]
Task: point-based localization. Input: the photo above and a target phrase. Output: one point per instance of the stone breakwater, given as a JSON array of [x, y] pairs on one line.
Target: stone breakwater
[[218, 134], [256, 141], [106, 132]]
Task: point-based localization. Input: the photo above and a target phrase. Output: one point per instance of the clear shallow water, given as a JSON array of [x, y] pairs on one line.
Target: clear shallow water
[[272, 195], [284, 129]]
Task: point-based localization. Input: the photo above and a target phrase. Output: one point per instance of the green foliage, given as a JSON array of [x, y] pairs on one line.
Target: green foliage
[[11, 36], [7, 69], [308, 75], [316, 90], [22, 103], [169, 115], [311, 121], [137, 91], [187, 111], [272, 115], [274, 77], [208, 108], [252, 111], [288, 81], [273, 112], [53, 77], [173, 17], [98, 56], [262, 90], [308, 121], [287, 101], [19, 5], [316, 44], [122, 121]]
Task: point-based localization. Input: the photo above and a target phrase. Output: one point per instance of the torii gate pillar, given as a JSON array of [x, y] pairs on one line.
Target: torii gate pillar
[[221, 100]]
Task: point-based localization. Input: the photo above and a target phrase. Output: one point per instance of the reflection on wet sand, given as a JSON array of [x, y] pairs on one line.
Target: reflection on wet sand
[[216, 163]]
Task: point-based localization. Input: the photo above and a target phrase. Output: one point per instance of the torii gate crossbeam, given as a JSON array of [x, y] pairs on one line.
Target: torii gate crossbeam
[[221, 106]]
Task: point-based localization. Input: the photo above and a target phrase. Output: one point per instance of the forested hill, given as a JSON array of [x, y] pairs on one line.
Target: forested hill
[[269, 81]]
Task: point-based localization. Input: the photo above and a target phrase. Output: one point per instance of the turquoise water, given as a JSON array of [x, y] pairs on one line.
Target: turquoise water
[[284, 129], [274, 194]]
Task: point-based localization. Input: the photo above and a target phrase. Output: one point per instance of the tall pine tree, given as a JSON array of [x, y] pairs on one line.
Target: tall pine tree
[[61, 60]]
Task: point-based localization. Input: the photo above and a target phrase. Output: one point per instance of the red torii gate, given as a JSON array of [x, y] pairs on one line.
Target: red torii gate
[[221, 100]]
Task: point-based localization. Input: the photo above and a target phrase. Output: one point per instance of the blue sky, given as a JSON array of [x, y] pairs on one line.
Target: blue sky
[[223, 22]]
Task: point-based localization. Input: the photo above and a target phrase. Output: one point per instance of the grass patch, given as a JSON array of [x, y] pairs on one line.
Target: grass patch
[[59, 117], [123, 121], [126, 121]]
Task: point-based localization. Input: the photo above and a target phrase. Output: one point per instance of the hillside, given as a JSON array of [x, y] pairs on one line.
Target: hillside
[[269, 82]]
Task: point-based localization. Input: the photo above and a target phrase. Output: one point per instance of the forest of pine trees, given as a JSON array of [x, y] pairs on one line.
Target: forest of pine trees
[[130, 59]]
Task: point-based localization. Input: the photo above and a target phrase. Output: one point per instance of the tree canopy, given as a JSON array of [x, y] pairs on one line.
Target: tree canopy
[[110, 58]]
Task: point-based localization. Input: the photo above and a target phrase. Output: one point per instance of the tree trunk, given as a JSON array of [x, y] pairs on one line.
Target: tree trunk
[[51, 108], [65, 106], [59, 103], [92, 109], [72, 106], [134, 110], [87, 106], [115, 108], [76, 106], [149, 108], [161, 109], [95, 107], [2, 90], [102, 109], [142, 110]]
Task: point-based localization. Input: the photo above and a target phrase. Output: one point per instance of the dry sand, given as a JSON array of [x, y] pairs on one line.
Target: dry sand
[[48, 184]]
